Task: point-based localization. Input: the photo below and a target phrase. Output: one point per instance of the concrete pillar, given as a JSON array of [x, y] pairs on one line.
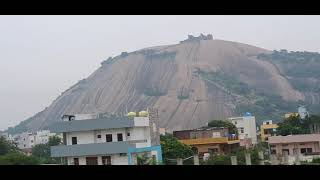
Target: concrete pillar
[[248, 159], [179, 161], [196, 160], [297, 159], [274, 160], [261, 157], [286, 158], [234, 160]]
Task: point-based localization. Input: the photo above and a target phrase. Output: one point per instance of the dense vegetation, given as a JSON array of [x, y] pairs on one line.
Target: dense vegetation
[[220, 123], [173, 149], [225, 159], [298, 66], [262, 105], [43, 152], [294, 125], [11, 155]]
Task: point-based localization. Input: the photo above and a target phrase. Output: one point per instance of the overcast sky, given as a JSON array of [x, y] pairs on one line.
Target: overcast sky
[[41, 56]]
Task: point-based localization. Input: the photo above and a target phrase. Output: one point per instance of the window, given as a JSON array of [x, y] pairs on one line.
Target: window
[[99, 136], [119, 136], [241, 130], [303, 150], [267, 123], [31, 141], [106, 160], [235, 122], [108, 137], [273, 151], [213, 150], [76, 161], [24, 145], [309, 150], [285, 151], [128, 134], [74, 140]]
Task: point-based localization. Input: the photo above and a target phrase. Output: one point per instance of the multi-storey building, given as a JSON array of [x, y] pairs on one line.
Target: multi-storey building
[[208, 140], [27, 140], [295, 144], [108, 139], [267, 129], [247, 129]]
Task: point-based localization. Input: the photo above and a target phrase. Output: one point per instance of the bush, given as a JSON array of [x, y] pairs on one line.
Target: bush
[[218, 160], [220, 123], [173, 149], [18, 159]]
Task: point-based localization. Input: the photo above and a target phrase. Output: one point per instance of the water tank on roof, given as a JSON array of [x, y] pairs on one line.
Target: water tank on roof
[[131, 114], [143, 113]]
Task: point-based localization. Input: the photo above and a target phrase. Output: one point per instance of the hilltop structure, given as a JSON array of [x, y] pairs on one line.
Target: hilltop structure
[[192, 38]]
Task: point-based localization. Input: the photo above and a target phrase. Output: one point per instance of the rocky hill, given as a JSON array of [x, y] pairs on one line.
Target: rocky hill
[[197, 80]]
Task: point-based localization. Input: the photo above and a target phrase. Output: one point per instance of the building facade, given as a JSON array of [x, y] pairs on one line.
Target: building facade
[[247, 129], [295, 144], [289, 114], [7, 136], [267, 129], [208, 140], [303, 113], [27, 140], [108, 140]]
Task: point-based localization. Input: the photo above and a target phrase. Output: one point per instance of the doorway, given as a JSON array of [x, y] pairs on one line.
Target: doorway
[[92, 160]]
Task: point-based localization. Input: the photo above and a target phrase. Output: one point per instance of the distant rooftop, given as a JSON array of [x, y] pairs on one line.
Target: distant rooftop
[[294, 138], [203, 129]]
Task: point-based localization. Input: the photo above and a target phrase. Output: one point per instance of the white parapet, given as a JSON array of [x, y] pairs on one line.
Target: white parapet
[[141, 121]]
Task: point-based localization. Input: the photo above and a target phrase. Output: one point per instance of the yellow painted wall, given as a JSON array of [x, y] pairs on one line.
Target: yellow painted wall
[[266, 126]]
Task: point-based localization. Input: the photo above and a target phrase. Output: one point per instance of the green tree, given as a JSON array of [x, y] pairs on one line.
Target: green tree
[[145, 160], [43, 152], [173, 149], [6, 146], [17, 158], [54, 140], [221, 123], [294, 125]]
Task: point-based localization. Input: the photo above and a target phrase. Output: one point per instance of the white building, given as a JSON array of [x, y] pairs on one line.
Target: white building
[[303, 113], [42, 137], [7, 136], [246, 126], [28, 140], [25, 140], [114, 140]]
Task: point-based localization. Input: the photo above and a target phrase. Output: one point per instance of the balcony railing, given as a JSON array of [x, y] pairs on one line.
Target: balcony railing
[[93, 148]]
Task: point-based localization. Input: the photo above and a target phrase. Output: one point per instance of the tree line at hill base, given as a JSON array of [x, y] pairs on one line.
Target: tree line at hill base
[[11, 155]]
